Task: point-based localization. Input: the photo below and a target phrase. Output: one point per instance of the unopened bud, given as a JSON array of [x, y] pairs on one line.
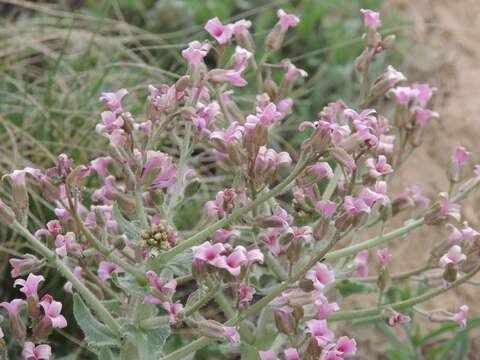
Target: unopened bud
[[271, 88], [383, 279], [306, 285], [450, 273], [182, 83], [388, 42], [284, 319], [274, 39]]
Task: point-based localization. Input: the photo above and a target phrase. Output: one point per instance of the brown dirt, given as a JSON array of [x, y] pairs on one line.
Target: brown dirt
[[444, 52]]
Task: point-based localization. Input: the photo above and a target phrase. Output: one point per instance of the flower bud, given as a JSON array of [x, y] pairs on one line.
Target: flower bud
[[388, 42], [284, 319], [182, 83], [306, 285], [7, 216], [383, 279], [271, 88], [450, 273], [274, 39]]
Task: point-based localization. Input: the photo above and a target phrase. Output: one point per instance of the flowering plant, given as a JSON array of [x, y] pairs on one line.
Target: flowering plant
[[280, 242]]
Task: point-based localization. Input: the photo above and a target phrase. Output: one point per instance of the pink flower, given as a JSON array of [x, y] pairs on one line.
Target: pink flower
[[272, 241], [195, 52], [223, 235], [287, 20], [384, 257], [322, 170], [167, 289], [68, 287], [284, 106], [30, 286], [460, 157], [355, 206], [267, 355], [284, 318], [398, 318], [231, 76], [233, 262], [291, 354], [393, 76], [223, 202], [468, 233], [205, 115], [454, 256], [106, 268], [403, 94], [13, 307], [241, 57], [245, 293], [321, 334], [361, 263], [208, 253], [221, 33], [423, 116], [268, 114], [270, 160], [326, 208], [344, 347], [32, 352], [66, 244], [378, 167], [447, 208], [424, 93], [461, 316], [241, 27], [52, 312], [293, 73], [114, 100], [322, 306], [321, 275], [371, 19], [110, 122], [230, 136], [20, 266], [377, 195], [173, 309], [455, 236], [162, 166], [100, 165], [411, 197]]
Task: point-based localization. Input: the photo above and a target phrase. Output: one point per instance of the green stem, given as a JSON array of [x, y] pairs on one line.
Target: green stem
[[87, 295], [202, 235], [400, 305]]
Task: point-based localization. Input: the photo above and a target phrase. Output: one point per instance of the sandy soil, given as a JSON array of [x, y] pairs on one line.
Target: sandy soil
[[445, 36]]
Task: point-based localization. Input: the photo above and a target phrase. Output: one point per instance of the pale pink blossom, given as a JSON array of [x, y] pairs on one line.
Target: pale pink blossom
[[293, 73], [13, 307], [68, 287], [221, 33], [423, 116], [384, 256], [468, 233], [287, 20], [268, 114], [284, 106], [454, 256], [30, 286], [241, 57], [326, 208], [65, 244], [32, 352], [393, 76], [205, 115], [223, 235], [424, 93], [355, 206], [100, 165], [195, 52], [411, 197], [52, 312], [376, 195], [208, 253], [371, 19], [230, 136], [403, 94], [321, 334], [461, 317], [398, 318], [291, 354], [320, 275], [222, 203], [106, 268], [379, 167], [322, 170], [114, 99], [242, 27], [284, 318], [162, 166], [173, 310], [455, 235], [460, 157], [167, 289], [361, 263], [231, 76], [270, 160], [323, 307], [245, 293], [267, 355], [233, 262], [343, 348], [19, 266]]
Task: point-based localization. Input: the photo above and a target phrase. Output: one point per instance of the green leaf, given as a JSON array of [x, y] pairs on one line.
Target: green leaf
[[96, 334], [129, 284], [145, 345], [192, 188], [105, 354], [180, 264], [130, 228], [249, 352], [347, 288]]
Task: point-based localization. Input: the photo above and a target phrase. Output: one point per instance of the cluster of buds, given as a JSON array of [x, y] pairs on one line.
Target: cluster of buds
[[158, 239]]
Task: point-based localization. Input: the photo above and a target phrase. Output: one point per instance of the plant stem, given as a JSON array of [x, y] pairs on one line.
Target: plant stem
[[87, 295], [375, 311]]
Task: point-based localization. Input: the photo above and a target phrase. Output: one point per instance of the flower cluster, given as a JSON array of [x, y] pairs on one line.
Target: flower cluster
[[271, 224]]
